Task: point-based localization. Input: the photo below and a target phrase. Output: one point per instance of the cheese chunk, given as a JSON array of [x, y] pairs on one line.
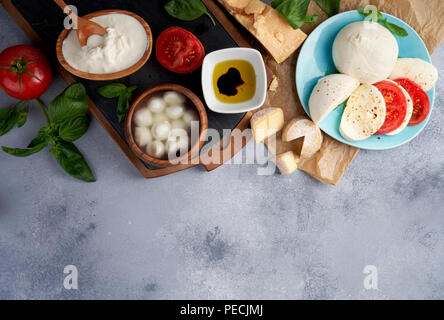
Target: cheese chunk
[[287, 162], [419, 71], [364, 115], [267, 25], [302, 127], [267, 122]]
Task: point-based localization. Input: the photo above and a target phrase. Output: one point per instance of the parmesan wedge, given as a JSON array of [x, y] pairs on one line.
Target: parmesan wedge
[[303, 127], [267, 25], [364, 114], [287, 162], [267, 122]]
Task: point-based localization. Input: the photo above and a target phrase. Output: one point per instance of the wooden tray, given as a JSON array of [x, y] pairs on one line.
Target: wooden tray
[[42, 21]]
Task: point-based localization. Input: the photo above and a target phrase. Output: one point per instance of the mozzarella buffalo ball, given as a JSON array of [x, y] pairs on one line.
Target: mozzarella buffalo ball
[[161, 130], [189, 116], [156, 149], [178, 124], [143, 118], [159, 117], [143, 136], [178, 141], [157, 105], [173, 98], [175, 112]]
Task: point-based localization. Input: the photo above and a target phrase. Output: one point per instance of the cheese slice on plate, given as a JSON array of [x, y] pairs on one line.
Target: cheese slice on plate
[[419, 71], [364, 114], [267, 25]]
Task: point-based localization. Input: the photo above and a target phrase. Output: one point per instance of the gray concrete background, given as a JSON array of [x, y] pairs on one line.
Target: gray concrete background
[[225, 234]]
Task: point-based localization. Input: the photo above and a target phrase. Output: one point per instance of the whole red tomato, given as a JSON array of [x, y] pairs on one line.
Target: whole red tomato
[[25, 72]]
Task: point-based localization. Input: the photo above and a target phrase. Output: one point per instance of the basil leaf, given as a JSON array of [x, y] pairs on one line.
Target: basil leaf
[[43, 136], [294, 11], [311, 19], [25, 152], [8, 119], [72, 103], [330, 7], [112, 90], [123, 106], [72, 161], [187, 10], [74, 129], [397, 30], [22, 116]]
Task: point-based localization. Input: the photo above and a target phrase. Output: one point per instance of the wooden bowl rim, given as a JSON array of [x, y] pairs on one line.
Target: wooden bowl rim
[[203, 124], [106, 76]]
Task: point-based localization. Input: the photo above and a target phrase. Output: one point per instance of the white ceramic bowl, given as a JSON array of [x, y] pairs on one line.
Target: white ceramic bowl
[[251, 55]]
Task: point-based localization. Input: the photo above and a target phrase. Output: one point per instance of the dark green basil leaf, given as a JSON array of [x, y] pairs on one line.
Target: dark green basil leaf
[[42, 137], [72, 161], [187, 10], [330, 7], [311, 19], [123, 106], [25, 152], [8, 119], [22, 116], [74, 129], [72, 103], [397, 30], [294, 11], [112, 90]]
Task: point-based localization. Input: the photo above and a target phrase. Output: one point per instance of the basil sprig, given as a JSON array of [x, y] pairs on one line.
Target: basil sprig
[[295, 11], [9, 117], [187, 10], [378, 17], [125, 95], [68, 120]]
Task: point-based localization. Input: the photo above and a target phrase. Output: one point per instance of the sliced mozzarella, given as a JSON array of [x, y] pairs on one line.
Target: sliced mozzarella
[[364, 114], [303, 127], [419, 71], [329, 93], [409, 113]]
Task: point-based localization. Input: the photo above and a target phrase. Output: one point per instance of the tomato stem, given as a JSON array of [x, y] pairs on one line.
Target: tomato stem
[[43, 107]]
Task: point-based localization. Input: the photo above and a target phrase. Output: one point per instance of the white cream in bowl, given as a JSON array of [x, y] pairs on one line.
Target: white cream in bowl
[[122, 47]]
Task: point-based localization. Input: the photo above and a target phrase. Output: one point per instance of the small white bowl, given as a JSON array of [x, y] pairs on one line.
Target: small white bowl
[[251, 55]]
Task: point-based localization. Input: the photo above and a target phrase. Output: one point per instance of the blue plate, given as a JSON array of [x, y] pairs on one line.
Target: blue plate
[[316, 61]]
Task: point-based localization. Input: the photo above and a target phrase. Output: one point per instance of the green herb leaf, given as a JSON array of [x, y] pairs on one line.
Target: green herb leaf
[[22, 116], [8, 119], [397, 30], [25, 152], [72, 103], [112, 90], [123, 106], [187, 10], [74, 129], [42, 137], [294, 11], [72, 161], [330, 7]]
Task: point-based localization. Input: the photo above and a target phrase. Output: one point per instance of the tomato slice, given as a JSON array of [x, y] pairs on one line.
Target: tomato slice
[[421, 101], [396, 104], [179, 50]]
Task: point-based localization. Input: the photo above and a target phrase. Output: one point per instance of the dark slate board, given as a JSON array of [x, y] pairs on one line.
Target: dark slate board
[[46, 18]]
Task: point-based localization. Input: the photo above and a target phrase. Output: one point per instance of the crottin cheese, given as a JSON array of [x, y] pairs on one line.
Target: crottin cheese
[[267, 25], [287, 162], [267, 122], [302, 127]]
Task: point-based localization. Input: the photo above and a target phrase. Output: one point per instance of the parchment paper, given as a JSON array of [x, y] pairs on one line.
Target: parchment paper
[[332, 161]]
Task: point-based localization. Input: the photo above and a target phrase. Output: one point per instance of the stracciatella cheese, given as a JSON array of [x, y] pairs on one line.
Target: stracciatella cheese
[[122, 47], [366, 51]]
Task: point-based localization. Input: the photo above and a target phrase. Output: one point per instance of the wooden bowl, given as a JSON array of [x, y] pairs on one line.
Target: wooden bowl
[[106, 76], [140, 101]]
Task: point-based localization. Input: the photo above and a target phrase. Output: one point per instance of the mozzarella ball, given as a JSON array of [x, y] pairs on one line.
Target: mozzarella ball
[[143, 118], [159, 118], [173, 98], [175, 112], [178, 124], [161, 130], [178, 141], [156, 149], [156, 105], [189, 116], [366, 51], [143, 136]]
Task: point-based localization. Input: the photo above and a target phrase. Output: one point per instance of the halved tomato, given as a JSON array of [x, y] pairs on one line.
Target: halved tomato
[[421, 101], [396, 104], [179, 50]]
